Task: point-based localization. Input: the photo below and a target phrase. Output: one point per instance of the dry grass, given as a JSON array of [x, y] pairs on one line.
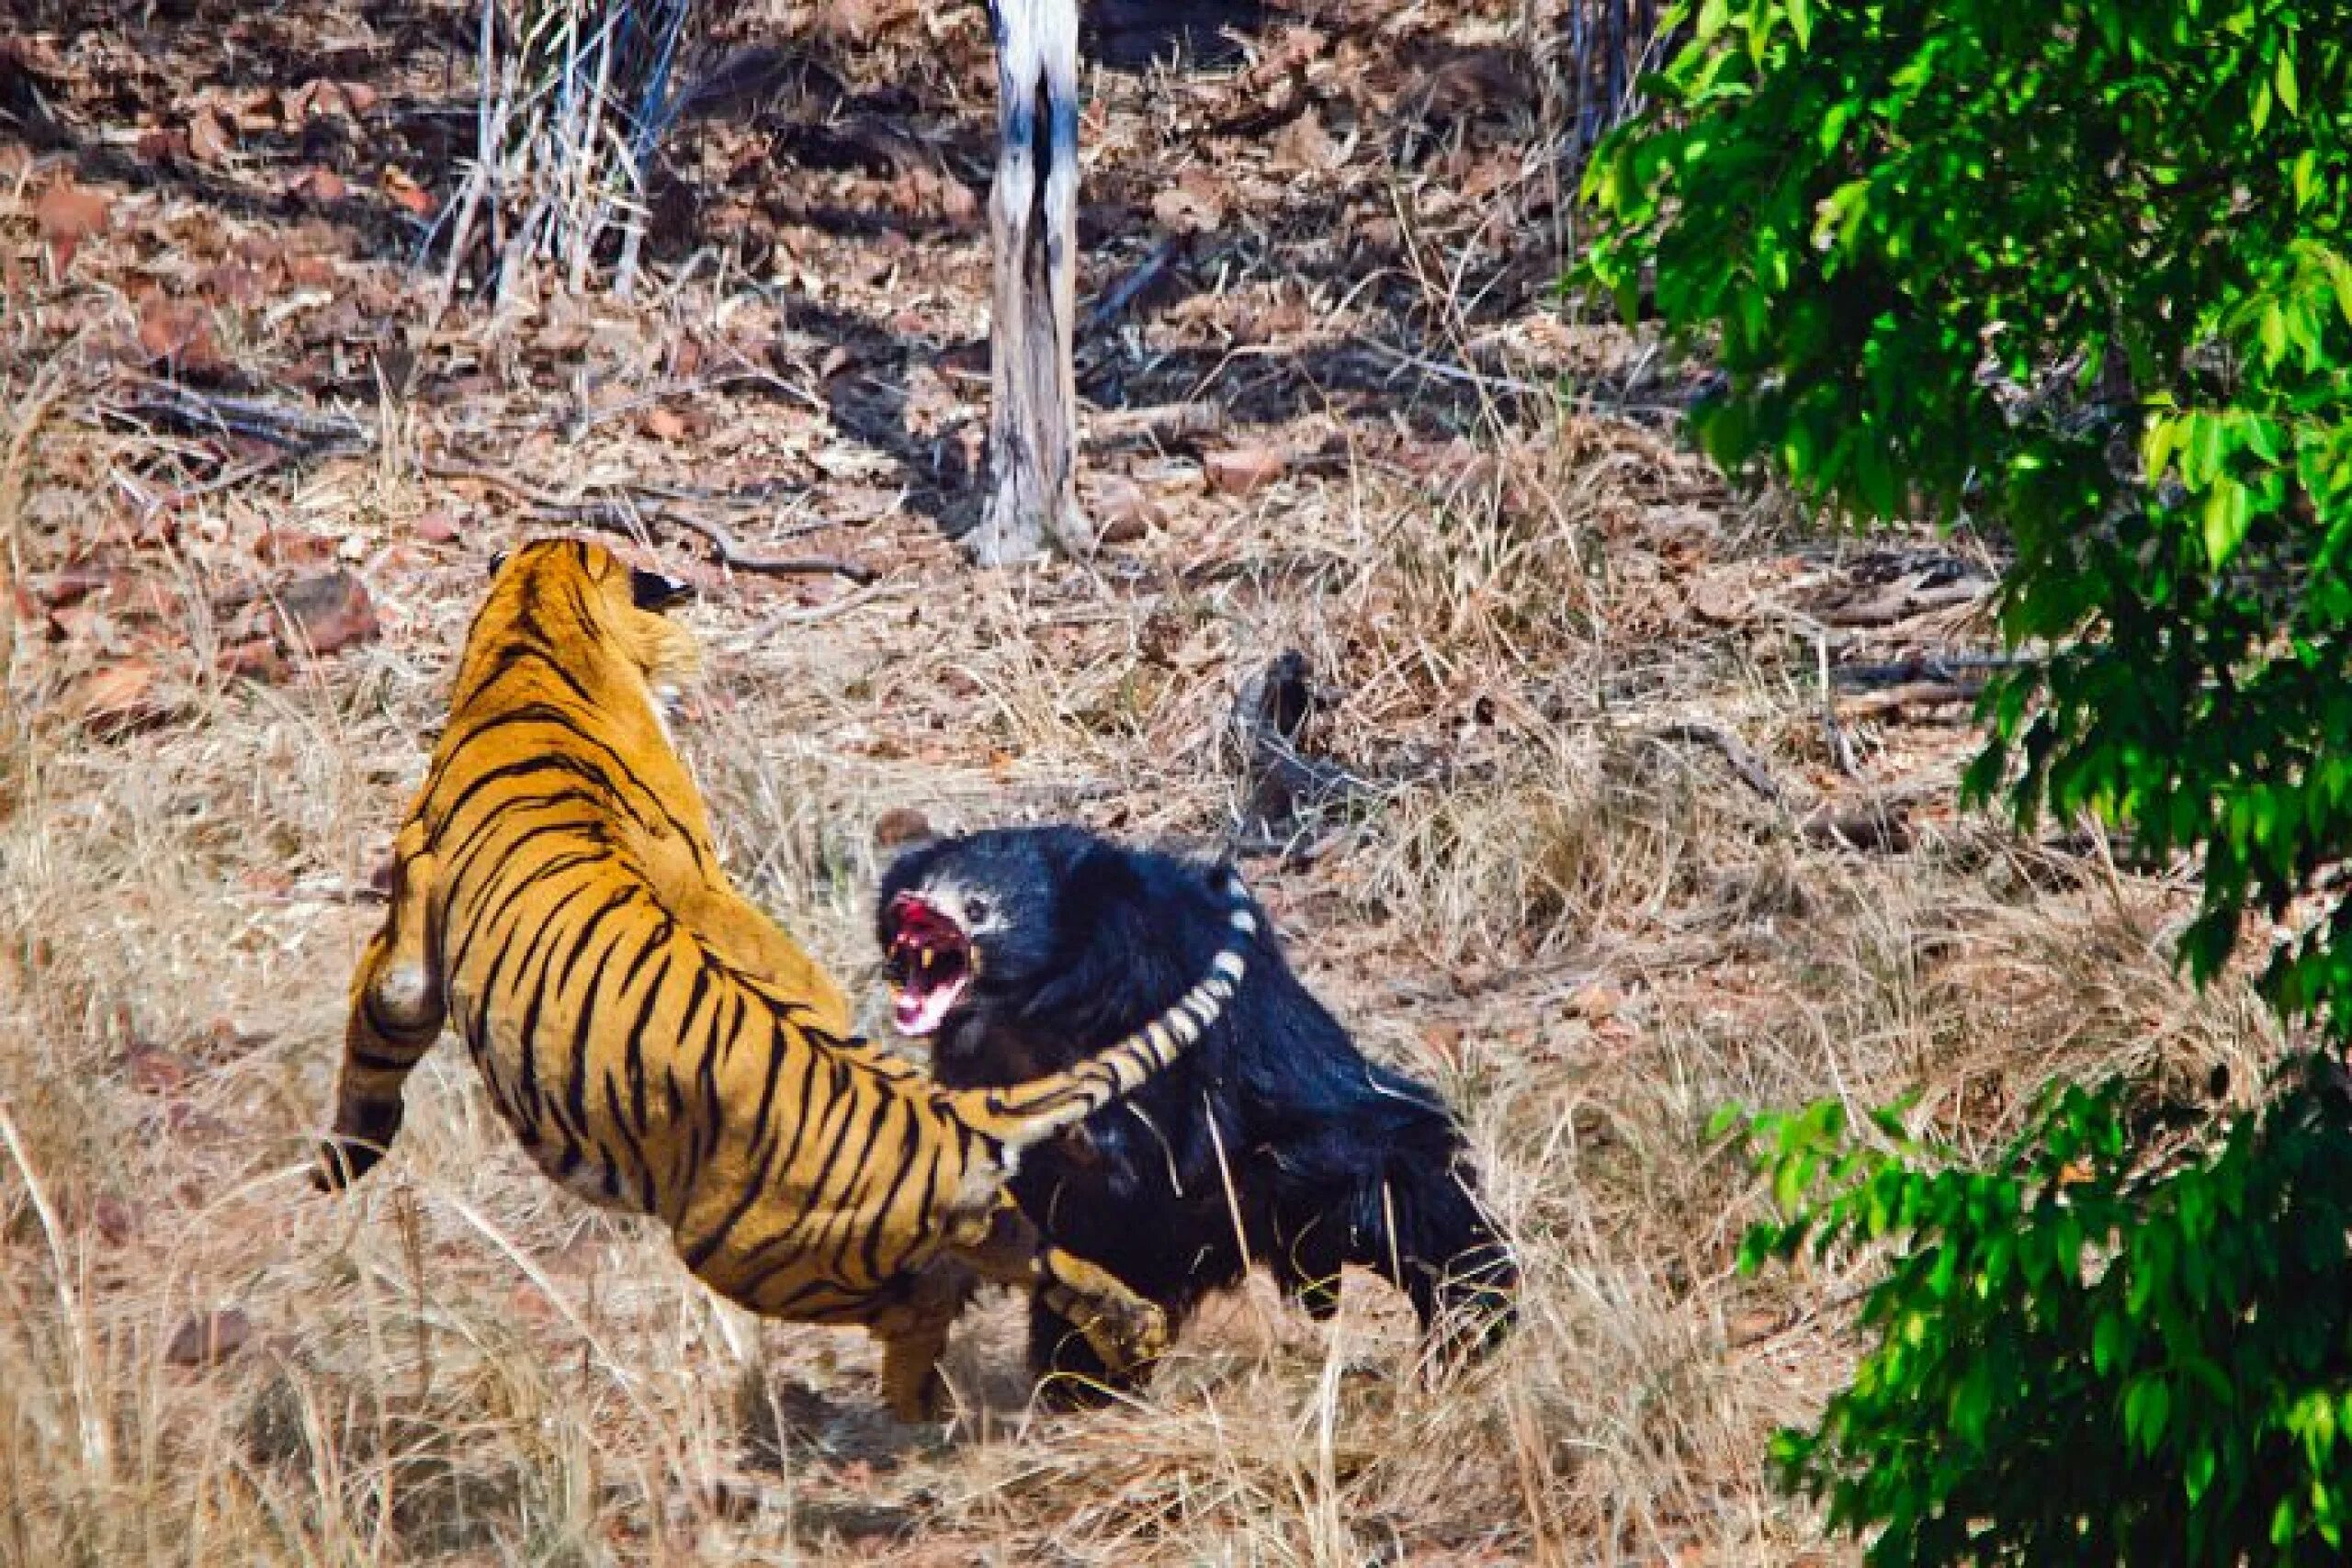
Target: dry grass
[[1547, 896]]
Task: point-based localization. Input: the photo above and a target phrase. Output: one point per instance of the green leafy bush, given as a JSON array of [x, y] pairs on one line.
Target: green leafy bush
[[2075, 1361], [2074, 271]]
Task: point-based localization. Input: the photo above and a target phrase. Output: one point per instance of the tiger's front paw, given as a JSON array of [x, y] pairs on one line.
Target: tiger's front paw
[[1127, 1335]]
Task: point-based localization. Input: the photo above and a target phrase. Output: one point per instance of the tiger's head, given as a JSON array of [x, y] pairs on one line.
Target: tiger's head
[[581, 595]]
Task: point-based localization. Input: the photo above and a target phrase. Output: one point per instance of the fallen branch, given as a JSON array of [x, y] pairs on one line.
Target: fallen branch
[[1269, 732], [169, 405], [1899, 602], [1112, 302], [1946, 667], [1162, 422], [810, 614], [1737, 753], [1921, 693], [627, 512]]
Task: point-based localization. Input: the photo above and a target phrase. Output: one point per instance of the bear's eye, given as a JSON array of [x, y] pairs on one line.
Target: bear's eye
[[976, 910]]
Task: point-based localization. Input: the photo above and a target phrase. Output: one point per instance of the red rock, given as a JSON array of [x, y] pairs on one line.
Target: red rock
[[1244, 470], [1122, 508], [319, 614]]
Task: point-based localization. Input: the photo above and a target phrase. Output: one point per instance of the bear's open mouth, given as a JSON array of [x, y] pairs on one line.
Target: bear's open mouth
[[929, 965]]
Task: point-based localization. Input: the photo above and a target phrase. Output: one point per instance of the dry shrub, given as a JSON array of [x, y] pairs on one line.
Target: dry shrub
[[575, 97]]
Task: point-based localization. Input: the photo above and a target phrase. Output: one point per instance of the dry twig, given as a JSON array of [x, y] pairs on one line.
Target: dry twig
[[1749, 768], [625, 513]]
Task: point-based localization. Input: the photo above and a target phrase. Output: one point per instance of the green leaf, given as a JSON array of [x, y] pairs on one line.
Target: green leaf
[[2273, 334], [2158, 442], [2196, 1475], [2283, 79], [2228, 512]]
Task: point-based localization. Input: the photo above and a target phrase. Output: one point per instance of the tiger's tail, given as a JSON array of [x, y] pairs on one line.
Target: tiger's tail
[[1025, 1115], [397, 1010]]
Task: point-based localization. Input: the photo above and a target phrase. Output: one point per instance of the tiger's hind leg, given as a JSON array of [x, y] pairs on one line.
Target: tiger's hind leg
[[913, 1331], [396, 1014]]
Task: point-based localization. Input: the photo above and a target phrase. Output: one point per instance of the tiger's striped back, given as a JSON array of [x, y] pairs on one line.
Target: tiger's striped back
[[654, 1041]]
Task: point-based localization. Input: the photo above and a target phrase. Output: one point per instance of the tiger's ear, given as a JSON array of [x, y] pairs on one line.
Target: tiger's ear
[[498, 562], [652, 590]]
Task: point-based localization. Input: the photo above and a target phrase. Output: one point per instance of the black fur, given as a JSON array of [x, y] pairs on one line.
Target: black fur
[[1084, 941]]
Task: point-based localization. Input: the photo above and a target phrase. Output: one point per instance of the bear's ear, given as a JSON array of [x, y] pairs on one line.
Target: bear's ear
[[652, 590], [901, 831]]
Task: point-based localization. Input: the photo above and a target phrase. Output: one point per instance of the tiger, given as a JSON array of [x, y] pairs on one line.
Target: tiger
[[657, 1044]]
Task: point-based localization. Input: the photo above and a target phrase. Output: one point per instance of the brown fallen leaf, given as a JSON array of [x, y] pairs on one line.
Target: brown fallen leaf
[[68, 214], [208, 141], [1305, 144], [325, 613], [320, 185], [179, 333], [209, 1337], [153, 1070], [1193, 205], [158, 144], [1244, 470], [231, 282], [436, 527], [664, 424], [113, 1219], [401, 186], [70, 584], [255, 659], [315, 99], [115, 698], [359, 96]]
